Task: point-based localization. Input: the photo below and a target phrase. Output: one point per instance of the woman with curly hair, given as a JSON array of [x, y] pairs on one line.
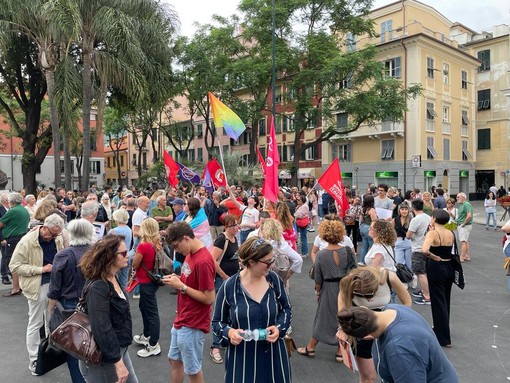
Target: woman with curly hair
[[282, 214], [381, 252], [108, 309], [143, 261], [331, 265]]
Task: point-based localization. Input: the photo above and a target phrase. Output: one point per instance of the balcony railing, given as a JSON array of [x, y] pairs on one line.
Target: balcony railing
[[373, 131]]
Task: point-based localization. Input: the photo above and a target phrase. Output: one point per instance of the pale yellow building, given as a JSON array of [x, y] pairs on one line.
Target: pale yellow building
[[492, 47], [435, 143]]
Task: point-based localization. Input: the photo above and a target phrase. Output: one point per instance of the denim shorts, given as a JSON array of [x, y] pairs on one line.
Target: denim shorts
[[187, 345]]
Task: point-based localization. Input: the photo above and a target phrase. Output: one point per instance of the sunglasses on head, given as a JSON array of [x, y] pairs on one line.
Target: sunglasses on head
[[367, 295]]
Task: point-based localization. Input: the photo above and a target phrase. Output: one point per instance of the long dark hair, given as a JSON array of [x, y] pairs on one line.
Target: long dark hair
[[368, 203], [96, 262]]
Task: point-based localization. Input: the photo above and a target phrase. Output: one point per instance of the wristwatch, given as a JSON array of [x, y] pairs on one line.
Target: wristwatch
[[184, 289]]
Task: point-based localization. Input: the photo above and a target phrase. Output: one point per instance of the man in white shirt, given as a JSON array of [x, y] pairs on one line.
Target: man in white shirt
[[416, 232], [138, 216], [382, 201]]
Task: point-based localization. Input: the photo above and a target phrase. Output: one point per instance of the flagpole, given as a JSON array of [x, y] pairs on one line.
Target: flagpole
[[313, 187], [222, 162]]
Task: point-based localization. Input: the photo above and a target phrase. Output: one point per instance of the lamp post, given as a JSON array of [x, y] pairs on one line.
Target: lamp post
[[273, 58]]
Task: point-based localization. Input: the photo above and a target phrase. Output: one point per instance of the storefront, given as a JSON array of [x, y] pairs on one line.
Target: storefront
[[484, 179], [464, 181], [388, 178], [429, 179], [347, 179]]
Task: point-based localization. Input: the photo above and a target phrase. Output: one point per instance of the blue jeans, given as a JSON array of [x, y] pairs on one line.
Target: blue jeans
[[72, 363], [105, 372], [149, 309], [488, 218], [404, 252], [302, 231], [366, 241], [243, 234]]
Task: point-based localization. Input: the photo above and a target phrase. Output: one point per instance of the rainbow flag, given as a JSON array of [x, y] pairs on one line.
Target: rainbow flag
[[225, 118]]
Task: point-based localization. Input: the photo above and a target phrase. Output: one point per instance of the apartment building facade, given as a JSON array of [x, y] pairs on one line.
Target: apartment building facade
[[435, 143]]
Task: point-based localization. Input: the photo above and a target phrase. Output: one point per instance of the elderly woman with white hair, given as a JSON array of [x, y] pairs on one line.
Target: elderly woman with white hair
[[67, 281], [121, 218], [30, 206]]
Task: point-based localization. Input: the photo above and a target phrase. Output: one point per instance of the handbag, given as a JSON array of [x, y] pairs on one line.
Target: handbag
[[281, 264], [163, 265], [48, 357], [349, 220], [302, 222], [403, 273], [311, 272], [74, 335], [458, 276], [290, 345]]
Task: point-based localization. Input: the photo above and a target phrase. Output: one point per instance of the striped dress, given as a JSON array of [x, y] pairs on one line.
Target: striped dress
[[253, 361]]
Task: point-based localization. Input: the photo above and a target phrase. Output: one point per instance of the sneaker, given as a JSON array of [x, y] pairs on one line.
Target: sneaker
[[311, 230], [141, 339], [32, 367], [136, 296], [149, 351], [417, 294], [216, 356], [422, 301]]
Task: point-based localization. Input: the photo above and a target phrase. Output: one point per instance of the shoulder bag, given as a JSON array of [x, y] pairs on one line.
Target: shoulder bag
[[403, 273], [458, 278], [74, 335]]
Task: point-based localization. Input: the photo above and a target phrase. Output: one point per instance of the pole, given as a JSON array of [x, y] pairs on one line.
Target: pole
[[273, 59], [222, 162]]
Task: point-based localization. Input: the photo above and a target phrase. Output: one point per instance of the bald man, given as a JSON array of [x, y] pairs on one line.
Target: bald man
[[138, 216]]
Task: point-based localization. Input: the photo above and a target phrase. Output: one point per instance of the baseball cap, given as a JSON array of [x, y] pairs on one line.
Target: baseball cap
[[128, 193], [178, 201]]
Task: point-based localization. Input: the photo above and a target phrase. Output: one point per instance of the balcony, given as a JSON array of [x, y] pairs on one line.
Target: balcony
[[381, 130], [447, 127]]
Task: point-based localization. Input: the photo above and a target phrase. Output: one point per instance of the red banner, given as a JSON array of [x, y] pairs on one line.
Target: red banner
[[171, 169], [217, 173], [331, 181], [270, 188], [262, 162]]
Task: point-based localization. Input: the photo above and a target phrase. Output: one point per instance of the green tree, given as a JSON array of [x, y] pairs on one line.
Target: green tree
[[115, 129]]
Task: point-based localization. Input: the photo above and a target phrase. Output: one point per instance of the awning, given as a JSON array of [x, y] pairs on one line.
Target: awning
[[284, 175], [306, 173]]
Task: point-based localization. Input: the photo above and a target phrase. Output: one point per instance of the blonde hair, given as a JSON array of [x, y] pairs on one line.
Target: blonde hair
[[362, 280], [272, 230], [149, 232]]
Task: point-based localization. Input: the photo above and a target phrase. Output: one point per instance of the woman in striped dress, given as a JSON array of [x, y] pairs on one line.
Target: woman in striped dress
[[254, 299]]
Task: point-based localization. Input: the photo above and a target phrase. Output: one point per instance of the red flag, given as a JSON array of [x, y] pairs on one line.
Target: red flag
[[262, 162], [270, 188], [331, 181], [216, 172], [171, 169]]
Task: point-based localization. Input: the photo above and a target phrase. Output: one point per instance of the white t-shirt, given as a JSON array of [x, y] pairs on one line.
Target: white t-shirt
[[419, 226], [321, 244], [250, 216], [386, 203], [377, 248]]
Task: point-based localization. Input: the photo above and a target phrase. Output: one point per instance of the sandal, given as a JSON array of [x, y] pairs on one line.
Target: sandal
[[306, 352], [338, 358], [12, 293], [216, 356]]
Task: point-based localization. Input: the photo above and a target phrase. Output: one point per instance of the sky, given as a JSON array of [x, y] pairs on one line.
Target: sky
[[475, 14]]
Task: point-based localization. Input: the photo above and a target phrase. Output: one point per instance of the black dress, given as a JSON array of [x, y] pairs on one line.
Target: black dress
[[440, 275]]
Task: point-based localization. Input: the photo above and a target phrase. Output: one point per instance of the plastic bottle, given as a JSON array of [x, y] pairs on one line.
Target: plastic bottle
[[257, 334]]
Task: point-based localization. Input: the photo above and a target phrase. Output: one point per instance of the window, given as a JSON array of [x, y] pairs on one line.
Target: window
[[200, 154], [386, 26], [278, 94], [431, 152], [291, 93], [463, 79], [430, 67], [313, 118], [200, 131], [446, 120], [93, 144], [278, 124], [350, 42], [484, 99], [62, 166], [288, 123], [154, 134], [446, 73], [311, 153], [95, 167], [446, 149], [133, 161], [191, 155], [465, 123], [465, 152], [121, 160], [345, 152], [262, 126], [430, 115], [484, 139], [342, 120], [392, 67], [387, 149], [485, 58], [263, 151]]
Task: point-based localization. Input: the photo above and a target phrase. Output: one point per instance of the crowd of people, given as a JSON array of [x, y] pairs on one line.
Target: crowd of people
[[234, 254]]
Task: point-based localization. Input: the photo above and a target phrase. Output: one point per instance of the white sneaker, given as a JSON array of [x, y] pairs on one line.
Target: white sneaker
[[141, 339], [136, 296], [149, 351], [32, 366]]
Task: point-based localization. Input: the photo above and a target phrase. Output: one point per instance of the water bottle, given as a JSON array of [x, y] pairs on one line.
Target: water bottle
[[257, 334]]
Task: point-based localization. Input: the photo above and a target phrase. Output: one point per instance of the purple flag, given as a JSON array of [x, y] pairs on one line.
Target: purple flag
[[207, 184], [186, 174]]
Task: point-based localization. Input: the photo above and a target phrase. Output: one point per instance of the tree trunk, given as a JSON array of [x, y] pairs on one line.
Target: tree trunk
[[55, 127], [87, 96]]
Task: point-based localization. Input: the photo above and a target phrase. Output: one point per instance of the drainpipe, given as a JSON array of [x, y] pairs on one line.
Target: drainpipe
[[405, 87]]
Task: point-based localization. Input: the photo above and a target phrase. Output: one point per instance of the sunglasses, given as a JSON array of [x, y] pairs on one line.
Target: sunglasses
[[123, 253], [236, 225], [367, 295], [268, 262]]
